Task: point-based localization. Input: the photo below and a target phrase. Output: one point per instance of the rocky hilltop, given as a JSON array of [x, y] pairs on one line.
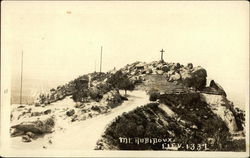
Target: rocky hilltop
[[182, 108]]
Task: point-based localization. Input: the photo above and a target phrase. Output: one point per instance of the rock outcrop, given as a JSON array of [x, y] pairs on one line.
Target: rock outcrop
[[190, 76], [112, 98], [217, 88], [222, 108], [70, 112], [36, 127], [195, 77]]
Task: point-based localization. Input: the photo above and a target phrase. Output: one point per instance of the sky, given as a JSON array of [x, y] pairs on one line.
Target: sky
[[62, 40]]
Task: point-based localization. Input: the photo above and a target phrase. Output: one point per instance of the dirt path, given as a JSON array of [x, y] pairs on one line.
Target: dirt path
[[83, 135]]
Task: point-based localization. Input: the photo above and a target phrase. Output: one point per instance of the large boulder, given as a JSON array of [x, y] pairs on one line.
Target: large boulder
[[26, 139], [175, 66], [46, 112], [199, 76], [36, 113], [171, 72], [175, 77], [217, 87], [31, 135], [140, 66], [149, 71], [39, 126], [160, 72], [70, 112], [165, 68], [194, 78], [16, 132], [112, 98], [190, 66], [59, 96], [159, 66], [185, 74]]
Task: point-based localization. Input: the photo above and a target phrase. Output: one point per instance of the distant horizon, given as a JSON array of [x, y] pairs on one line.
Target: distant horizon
[[45, 86]]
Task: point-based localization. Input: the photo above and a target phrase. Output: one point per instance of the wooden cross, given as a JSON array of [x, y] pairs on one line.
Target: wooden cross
[[162, 51]]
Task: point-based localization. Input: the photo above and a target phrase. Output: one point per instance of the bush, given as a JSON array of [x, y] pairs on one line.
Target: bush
[[153, 97], [104, 87], [50, 122], [239, 117], [153, 94], [80, 96], [95, 94], [42, 98], [81, 89], [98, 76]]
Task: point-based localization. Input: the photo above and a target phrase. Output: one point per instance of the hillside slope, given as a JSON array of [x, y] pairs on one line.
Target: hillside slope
[[186, 109], [185, 122], [80, 134]]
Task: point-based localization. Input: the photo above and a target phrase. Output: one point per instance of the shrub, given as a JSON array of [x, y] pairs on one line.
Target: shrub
[[80, 96], [42, 98], [153, 94], [95, 94], [81, 89], [104, 87], [98, 76], [149, 122], [49, 122], [124, 98], [239, 117]]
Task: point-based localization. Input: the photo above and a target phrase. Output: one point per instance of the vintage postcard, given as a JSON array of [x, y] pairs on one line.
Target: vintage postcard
[[124, 78]]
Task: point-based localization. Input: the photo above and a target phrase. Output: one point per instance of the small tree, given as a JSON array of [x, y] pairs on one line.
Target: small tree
[[154, 94], [42, 98], [121, 81], [125, 84]]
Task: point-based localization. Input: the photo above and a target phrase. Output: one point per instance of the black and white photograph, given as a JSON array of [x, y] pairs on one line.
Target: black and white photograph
[[124, 78]]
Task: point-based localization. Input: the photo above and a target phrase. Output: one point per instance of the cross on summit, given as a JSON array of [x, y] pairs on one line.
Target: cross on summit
[[162, 51]]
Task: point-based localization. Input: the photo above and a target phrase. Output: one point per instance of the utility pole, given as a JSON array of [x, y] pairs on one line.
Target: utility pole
[[101, 61], [21, 88], [95, 65]]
